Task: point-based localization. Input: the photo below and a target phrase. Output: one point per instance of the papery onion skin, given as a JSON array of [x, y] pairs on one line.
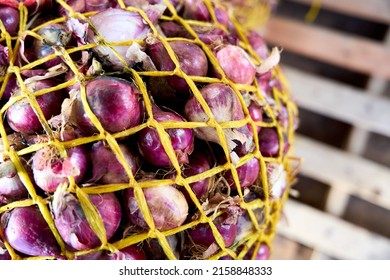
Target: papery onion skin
[[123, 26], [114, 101], [11, 187], [167, 205], [26, 231], [80, 236]]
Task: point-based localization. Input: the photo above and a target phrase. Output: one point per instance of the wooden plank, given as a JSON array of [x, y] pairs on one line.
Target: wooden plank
[[374, 10], [348, 51], [330, 235], [340, 101], [349, 173]]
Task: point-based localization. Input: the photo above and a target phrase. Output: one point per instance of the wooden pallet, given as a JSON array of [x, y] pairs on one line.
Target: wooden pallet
[[349, 170]]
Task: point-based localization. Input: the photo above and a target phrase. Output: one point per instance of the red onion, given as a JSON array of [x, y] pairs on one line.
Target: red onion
[[132, 252], [202, 234], [263, 253], [10, 18], [247, 174], [150, 145], [79, 235], [11, 187], [269, 142], [196, 9], [258, 44], [114, 101], [199, 162], [225, 106], [27, 232], [21, 116], [192, 60], [50, 170], [4, 56], [9, 88], [167, 205], [105, 166], [256, 114], [154, 251], [124, 26], [236, 64], [207, 34], [245, 225]]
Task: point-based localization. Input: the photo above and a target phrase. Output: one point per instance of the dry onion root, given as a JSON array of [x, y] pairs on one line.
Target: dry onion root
[[140, 129]]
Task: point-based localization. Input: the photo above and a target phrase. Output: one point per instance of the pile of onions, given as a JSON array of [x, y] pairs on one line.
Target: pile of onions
[[140, 130]]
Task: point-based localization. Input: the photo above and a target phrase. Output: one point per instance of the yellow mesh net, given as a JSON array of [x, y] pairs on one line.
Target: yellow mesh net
[[262, 231]]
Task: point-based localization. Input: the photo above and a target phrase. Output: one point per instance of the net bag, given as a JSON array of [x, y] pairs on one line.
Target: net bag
[[140, 130]]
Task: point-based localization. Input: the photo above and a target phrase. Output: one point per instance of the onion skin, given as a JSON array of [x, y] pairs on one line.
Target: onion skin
[[151, 148], [10, 18], [225, 106], [114, 101], [235, 62], [27, 232], [202, 234], [269, 142], [247, 174], [4, 254], [167, 205], [105, 166], [11, 187], [50, 171], [124, 26], [22, 118], [79, 236], [192, 60]]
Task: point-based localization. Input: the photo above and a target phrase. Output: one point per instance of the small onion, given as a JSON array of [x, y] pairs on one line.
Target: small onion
[[225, 106], [167, 205], [114, 101], [150, 145], [236, 64], [105, 166], [269, 142], [26, 231], [11, 187], [21, 116], [247, 174], [10, 18], [79, 235]]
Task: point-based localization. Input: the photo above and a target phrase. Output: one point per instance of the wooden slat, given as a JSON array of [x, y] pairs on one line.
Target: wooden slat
[[374, 10], [340, 101], [349, 173], [330, 235], [351, 52]]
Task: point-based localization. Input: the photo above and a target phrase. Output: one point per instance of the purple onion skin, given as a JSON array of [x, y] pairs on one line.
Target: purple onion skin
[[167, 205], [151, 148], [79, 236], [208, 35], [247, 174], [49, 173], [10, 18], [11, 187], [202, 234], [258, 44], [22, 118], [198, 163], [263, 253], [9, 88], [235, 62], [105, 166], [27, 232], [132, 252], [191, 57], [196, 9], [115, 102], [256, 114], [269, 142], [225, 106]]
